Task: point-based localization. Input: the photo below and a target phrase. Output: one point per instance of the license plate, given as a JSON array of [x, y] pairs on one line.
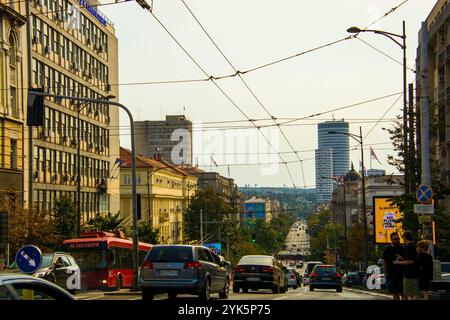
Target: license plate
[[326, 278], [173, 273], [252, 279]]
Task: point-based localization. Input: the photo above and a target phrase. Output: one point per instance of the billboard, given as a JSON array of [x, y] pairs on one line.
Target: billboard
[[254, 211], [215, 247], [385, 217]]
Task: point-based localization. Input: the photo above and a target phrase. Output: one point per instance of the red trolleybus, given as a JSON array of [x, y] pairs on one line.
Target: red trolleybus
[[105, 259]]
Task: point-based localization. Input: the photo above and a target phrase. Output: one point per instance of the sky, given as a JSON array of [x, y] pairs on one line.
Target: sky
[[253, 33]]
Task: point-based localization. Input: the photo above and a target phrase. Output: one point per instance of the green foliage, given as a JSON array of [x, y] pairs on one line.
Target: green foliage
[[410, 219], [108, 223], [146, 233], [65, 215]]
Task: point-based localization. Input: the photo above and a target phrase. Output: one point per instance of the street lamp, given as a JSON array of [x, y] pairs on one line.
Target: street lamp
[[359, 139], [402, 45]]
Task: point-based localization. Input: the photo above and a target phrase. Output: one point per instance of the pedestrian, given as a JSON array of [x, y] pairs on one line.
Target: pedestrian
[[393, 273], [2, 260], [425, 266], [410, 271]]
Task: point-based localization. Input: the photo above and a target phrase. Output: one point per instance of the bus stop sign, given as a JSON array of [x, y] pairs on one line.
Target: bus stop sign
[[29, 259], [424, 194]]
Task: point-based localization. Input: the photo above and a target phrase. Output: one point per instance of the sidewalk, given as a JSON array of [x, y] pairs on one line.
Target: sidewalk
[[370, 292]]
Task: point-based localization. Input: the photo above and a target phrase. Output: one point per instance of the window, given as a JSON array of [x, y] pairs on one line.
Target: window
[[13, 154]]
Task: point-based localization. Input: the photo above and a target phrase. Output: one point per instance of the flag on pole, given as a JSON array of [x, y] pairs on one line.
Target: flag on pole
[[373, 155], [229, 174], [361, 166], [212, 160]]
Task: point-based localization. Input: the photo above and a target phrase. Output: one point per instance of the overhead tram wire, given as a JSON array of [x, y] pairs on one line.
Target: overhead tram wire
[[222, 91], [386, 14]]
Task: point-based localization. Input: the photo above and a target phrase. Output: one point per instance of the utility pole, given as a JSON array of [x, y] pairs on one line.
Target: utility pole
[[412, 167], [363, 209], [201, 226], [425, 124], [150, 218], [407, 157]]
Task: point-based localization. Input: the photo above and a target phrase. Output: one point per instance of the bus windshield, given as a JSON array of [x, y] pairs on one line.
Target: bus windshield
[[90, 259]]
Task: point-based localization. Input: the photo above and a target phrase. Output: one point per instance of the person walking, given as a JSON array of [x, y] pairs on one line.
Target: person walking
[[425, 267], [410, 270], [393, 272]]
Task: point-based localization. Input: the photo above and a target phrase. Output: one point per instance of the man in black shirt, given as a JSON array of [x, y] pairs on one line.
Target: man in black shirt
[[393, 273], [410, 269]]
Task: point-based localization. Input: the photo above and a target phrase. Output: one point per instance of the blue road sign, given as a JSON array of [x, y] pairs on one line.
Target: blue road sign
[[29, 259], [424, 194]]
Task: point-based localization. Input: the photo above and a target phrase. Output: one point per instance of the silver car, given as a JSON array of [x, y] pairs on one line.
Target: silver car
[[175, 269], [15, 286]]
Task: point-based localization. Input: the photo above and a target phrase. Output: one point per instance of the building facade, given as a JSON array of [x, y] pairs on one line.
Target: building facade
[[333, 135], [257, 208], [438, 67], [170, 139], [324, 174], [12, 98], [163, 192], [74, 52]]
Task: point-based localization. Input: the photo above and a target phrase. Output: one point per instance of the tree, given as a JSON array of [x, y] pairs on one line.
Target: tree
[[65, 215], [108, 223], [147, 234]]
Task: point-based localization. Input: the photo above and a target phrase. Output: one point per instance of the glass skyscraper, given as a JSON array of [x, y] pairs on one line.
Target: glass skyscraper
[[331, 138]]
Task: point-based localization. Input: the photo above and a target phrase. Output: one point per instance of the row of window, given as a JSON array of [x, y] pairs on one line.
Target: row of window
[[59, 167], [48, 78], [61, 128], [67, 54], [84, 30], [164, 182], [90, 202]]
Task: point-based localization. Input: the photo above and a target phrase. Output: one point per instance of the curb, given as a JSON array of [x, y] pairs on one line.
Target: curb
[[369, 293], [122, 293]]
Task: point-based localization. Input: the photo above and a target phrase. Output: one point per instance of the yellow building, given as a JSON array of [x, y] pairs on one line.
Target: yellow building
[[12, 97], [163, 194]]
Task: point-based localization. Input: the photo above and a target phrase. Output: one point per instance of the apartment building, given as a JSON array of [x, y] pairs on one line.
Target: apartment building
[[12, 98], [74, 52], [170, 139]]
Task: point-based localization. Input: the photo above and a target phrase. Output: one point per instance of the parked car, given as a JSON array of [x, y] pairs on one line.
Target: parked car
[[445, 271], [308, 269], [175, 269], [292, 278], [259, 272], [55, 267], [16, 286], [351, 279], [325, 276]]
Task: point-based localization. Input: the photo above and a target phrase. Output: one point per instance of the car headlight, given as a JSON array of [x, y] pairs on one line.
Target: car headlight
[[40, 274]]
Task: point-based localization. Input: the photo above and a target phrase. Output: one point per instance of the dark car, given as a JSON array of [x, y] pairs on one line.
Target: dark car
[[15, 286], [325, 276], [55, 267], [259, 272], [175, 269], [352, 279]]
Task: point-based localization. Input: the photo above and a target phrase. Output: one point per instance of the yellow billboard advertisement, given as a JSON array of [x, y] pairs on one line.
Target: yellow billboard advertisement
[[386, 216]]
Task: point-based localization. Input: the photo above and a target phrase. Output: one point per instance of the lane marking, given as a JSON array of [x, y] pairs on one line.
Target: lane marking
[[280, 298]]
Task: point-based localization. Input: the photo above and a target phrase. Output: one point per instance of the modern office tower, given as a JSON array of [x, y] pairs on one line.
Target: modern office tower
[[170, 139], [324, 174], [332, 140], [74, 52]]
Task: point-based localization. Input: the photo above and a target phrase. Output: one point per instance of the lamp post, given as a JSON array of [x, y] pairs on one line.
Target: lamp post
[[359, 139], [402, 45]]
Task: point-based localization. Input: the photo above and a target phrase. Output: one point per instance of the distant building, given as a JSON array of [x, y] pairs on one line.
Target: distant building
[[257, 208], [170, 139], [375, 172], [333, 142]]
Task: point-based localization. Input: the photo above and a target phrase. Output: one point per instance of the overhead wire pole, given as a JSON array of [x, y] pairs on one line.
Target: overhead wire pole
[[133, 168]]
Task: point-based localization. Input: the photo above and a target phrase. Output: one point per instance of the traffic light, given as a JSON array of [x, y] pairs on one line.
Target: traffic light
[[253, 237], [35, 109]]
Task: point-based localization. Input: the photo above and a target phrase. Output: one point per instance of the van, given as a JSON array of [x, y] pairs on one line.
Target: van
[[308, 269]]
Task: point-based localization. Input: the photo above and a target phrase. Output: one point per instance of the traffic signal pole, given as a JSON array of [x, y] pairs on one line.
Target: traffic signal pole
[[133, 167]]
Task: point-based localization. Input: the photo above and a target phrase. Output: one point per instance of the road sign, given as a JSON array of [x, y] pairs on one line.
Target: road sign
[[424, 194], [29, 259], [424, 208]]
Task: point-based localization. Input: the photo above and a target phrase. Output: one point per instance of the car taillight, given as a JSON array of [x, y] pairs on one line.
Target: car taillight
[[292, 276], [239, 269], [192, 265], [147, 265], [267, 269], [313, 275], [338, 275]]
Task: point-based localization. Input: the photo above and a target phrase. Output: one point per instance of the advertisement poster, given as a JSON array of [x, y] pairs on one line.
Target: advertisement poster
[[386, 216]]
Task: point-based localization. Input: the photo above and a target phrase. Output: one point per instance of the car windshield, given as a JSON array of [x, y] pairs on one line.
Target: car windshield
[[170, 254], [310, 267], [445, 267], [323, 270], [47, 260], [265, 261]]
